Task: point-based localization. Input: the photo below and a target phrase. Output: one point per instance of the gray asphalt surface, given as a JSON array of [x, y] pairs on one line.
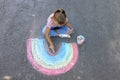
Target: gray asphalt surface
[[97, 20]]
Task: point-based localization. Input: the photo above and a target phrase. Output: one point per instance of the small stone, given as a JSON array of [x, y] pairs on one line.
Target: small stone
[[79, 77], [58, 79], [7, 78], [24, 60], [33, 15]]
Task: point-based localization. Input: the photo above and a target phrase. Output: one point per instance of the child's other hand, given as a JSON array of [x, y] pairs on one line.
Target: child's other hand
[[52, 48]]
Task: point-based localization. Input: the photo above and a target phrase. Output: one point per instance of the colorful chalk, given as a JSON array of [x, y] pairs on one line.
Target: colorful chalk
[[42, 61]]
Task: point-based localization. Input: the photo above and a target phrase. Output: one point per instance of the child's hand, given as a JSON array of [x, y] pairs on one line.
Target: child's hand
[[52, 48]]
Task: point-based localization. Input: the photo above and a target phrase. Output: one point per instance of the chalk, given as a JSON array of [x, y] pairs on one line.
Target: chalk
[[80, 39]]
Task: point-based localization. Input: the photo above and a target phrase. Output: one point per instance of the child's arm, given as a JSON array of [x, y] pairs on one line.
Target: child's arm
[[71, 28], [49, 39]]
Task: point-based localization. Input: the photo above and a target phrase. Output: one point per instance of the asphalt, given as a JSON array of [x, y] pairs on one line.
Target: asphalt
[[97, 20]]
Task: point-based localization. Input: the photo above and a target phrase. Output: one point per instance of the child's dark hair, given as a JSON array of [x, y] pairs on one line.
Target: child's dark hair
[[60, 16]]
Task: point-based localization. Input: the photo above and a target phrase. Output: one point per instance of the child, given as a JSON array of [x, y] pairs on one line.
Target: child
[[57, 25]]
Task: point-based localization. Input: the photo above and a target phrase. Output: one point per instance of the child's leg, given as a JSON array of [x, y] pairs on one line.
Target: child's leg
[[63, 30], [55, 32]]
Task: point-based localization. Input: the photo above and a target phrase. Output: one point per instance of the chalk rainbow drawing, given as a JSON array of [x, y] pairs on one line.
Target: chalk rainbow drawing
[[39, 56]]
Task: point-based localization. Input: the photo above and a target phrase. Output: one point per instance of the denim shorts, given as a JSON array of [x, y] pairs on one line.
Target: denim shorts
[[57, 30]]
